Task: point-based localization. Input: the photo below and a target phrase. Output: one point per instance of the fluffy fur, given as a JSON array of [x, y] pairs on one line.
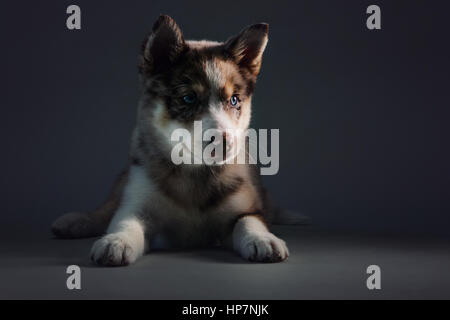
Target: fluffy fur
[[155, 203]]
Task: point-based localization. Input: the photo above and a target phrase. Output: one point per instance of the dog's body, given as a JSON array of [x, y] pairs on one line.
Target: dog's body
[[156, 203]]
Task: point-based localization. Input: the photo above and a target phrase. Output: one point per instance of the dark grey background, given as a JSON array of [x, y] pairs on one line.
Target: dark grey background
[[362, 114]]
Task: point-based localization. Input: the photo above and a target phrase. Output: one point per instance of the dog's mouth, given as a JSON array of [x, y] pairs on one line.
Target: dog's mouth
[[225, 145]]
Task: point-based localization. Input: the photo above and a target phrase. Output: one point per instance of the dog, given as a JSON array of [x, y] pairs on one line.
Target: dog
[[155, 203]]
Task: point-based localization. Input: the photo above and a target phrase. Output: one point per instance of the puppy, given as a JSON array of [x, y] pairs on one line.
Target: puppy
[[156, 203]]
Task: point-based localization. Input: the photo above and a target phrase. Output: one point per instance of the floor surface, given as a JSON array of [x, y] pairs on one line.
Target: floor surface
[[322, 265]]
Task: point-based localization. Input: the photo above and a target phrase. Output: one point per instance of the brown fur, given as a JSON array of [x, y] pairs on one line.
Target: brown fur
[[170, 68]]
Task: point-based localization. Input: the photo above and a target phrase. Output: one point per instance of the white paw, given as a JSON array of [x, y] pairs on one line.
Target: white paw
[[115, 249], [263, 247]]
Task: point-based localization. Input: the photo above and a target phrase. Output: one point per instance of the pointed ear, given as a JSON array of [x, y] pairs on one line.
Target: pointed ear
[[248, 46], [164, 44]]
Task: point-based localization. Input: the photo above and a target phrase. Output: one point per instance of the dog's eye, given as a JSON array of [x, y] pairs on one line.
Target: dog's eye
[[234, 100], [189, 98]]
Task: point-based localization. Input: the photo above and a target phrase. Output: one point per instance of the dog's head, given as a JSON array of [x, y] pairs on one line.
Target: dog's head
[[186, 81]]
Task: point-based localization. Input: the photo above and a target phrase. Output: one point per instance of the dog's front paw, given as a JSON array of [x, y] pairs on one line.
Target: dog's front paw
[[263, 247], [115, 249]]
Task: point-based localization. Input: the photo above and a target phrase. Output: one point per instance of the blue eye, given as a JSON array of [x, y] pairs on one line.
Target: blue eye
[[189, 98], [234, 100]]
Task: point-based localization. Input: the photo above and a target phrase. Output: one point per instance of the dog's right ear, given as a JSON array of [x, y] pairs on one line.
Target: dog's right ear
[[164, 44]]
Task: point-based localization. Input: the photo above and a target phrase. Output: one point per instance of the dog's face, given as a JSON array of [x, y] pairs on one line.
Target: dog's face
[[187, 81]]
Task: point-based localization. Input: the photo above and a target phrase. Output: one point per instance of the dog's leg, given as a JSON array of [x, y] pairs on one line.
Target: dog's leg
[[253, 241], [91, 224], [122, 246], [126, 241]]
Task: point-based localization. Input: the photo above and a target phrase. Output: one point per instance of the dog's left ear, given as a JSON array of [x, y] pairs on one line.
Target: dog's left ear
[[162, 47], [248, 46]]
